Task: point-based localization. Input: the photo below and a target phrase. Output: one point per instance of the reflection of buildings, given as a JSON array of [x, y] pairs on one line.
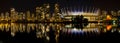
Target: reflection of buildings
[[45, 28], [42, 30], [109, 27], [92, 27]]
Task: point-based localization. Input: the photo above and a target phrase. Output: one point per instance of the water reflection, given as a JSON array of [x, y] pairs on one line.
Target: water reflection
[[81, 28], [52, 31]]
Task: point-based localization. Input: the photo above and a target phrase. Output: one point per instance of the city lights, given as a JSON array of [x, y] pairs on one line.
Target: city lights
[[51, 21]]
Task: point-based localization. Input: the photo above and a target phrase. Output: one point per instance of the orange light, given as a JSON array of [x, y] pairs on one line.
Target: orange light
[[109, 27], [108, 17]]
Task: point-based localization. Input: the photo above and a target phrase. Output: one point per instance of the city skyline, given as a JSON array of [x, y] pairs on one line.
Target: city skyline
[[44, 13], [59, 21], [22, 5]]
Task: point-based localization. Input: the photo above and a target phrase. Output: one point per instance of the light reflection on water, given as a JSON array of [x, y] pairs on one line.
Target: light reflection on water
[[44, 30]]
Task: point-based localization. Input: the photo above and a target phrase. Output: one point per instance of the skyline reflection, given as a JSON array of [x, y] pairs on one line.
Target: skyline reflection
[[45, 27], [48, 30]]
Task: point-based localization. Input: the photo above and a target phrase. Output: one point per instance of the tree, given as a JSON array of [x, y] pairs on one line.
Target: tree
[[80, 22]]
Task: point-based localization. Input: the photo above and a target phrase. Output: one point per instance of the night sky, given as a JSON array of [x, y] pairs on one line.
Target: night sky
[[22, 5], [107, 4]]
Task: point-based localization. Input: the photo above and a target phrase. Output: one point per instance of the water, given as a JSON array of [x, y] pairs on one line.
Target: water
[[57, 32]]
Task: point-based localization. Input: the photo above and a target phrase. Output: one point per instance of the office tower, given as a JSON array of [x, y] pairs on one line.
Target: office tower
[[7, 17], [45, 10], [2, 16], [28, 15], [104, 13], [47, 14], [113, 13], [21, 16], [16, 16], [57, 13], [24, 16], [42, 16], [13, 14], [33, 17], [38, 13], [118, 13]]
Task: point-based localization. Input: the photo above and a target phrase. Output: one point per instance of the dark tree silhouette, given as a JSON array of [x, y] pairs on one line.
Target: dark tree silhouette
[[80, 22]]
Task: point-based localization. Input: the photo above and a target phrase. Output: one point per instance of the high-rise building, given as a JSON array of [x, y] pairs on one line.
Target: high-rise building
[[7, 17], [28, 15], [33, 17], [57, 13], [42, 16], [113, 13], [21, 16], [2, 16], [24, 16], [13, 14], [47, 15], [118, 13], [37, 12]]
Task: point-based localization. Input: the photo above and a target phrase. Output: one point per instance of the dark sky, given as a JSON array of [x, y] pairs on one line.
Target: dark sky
[[31, 4], [107, 4]]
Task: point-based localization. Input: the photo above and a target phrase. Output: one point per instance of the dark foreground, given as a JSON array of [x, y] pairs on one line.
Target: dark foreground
[[5, 37]]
